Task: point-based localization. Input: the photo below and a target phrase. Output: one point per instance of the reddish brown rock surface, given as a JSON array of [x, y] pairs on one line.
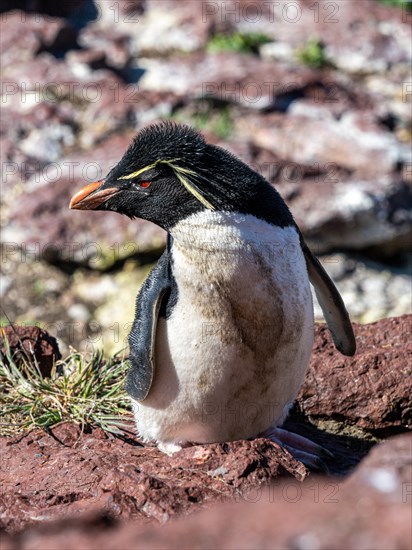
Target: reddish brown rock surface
[[61, 235], [70, 473], [372, 389], [369, 510]]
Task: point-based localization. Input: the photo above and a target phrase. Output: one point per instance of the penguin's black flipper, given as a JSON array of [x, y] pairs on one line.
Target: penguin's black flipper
[[331, 303], [143, 334]]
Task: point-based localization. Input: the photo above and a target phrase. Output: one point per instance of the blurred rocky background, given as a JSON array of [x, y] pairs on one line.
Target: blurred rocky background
[[315, 95]]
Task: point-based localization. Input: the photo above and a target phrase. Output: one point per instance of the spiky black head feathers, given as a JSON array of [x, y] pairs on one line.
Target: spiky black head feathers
[[167, 139], [164, 141]]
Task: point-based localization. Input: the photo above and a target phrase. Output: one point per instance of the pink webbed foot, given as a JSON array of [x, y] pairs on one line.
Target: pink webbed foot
[[311, 454]]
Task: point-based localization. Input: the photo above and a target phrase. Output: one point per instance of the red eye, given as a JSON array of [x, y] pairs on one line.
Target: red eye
[[145, 184]]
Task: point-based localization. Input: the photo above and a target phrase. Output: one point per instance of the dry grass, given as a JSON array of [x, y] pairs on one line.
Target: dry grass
[[88, 391]]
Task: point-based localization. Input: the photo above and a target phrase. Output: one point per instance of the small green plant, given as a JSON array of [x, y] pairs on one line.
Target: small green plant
[[400, 3], [223, 125], [217, 120], [39, 287], [313, 54], [86, 391], [237, 42]]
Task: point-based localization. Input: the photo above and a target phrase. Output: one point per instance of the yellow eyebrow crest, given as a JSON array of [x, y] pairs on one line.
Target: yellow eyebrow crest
[[180, 174], [138, 172]]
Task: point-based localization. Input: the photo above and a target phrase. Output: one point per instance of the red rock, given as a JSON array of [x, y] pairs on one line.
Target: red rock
[[18, 46], [322, 513], [26, 343], [342, 143], [371, 389], [62, 235], [366, 199], [227, 77], [73, 472], [24, 35], [355, 40]]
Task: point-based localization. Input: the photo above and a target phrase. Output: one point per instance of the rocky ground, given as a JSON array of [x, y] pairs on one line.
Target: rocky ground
[[315, 96], [68, 489]]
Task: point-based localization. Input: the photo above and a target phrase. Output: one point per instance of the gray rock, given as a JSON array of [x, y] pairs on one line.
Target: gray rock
[[362, 179], [370, 291], [47, 145], [345, 143]]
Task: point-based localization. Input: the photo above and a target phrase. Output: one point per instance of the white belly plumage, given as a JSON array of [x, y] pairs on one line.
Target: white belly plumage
[[232, 356]]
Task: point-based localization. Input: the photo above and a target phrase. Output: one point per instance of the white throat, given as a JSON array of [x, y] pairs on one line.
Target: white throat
[[220, 231]]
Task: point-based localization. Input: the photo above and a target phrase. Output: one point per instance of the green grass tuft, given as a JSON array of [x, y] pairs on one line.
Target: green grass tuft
[[237, 42], [205, 116], [313, 54], [400, 3], [88, 392]]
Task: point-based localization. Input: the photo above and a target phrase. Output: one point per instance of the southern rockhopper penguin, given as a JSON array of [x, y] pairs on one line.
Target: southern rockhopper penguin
[[224, 323]]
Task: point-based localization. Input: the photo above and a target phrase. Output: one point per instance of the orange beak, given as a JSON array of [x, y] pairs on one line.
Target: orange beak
[[90, 198]]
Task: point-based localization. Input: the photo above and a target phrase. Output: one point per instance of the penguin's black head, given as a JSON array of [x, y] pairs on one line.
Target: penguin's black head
[[170, 172]]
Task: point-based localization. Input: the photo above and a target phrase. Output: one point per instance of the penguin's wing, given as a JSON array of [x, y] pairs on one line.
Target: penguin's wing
[[331, 303], [143, 334]]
